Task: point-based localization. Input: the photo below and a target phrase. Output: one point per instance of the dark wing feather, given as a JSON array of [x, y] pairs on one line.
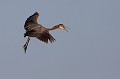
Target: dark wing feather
[[45, 36], [31, 20]]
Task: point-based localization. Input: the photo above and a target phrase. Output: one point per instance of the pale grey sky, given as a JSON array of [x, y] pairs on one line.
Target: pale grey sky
[[90, 50]]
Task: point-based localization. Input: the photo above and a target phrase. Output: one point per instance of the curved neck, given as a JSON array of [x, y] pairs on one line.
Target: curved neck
[[53, 28]]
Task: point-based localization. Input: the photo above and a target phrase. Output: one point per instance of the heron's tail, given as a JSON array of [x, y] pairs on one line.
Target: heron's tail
[[26, 44]]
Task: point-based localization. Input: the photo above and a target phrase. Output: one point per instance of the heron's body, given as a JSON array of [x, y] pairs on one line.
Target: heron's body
[[33, 29], [40, 32]]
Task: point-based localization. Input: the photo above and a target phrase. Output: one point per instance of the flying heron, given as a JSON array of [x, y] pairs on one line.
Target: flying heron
[[33, 29]]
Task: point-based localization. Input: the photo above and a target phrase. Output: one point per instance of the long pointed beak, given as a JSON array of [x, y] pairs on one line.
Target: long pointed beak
[[64, 28]]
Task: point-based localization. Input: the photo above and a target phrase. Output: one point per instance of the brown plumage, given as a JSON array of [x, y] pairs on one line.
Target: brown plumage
[[33, 29]]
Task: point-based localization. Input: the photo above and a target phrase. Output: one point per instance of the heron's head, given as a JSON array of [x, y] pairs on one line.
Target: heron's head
[[61, 26]]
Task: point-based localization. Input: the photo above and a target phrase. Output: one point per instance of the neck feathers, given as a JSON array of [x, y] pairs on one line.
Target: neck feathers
[[53, 28]]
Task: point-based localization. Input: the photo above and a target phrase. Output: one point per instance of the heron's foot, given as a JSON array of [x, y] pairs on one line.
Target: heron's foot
[[25, 48]]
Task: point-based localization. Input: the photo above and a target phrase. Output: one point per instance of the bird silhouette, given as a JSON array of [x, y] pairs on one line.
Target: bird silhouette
[[33, 29]]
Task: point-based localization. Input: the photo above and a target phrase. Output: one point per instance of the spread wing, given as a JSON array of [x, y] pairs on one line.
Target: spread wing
[[31, 20], [45, 36]]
